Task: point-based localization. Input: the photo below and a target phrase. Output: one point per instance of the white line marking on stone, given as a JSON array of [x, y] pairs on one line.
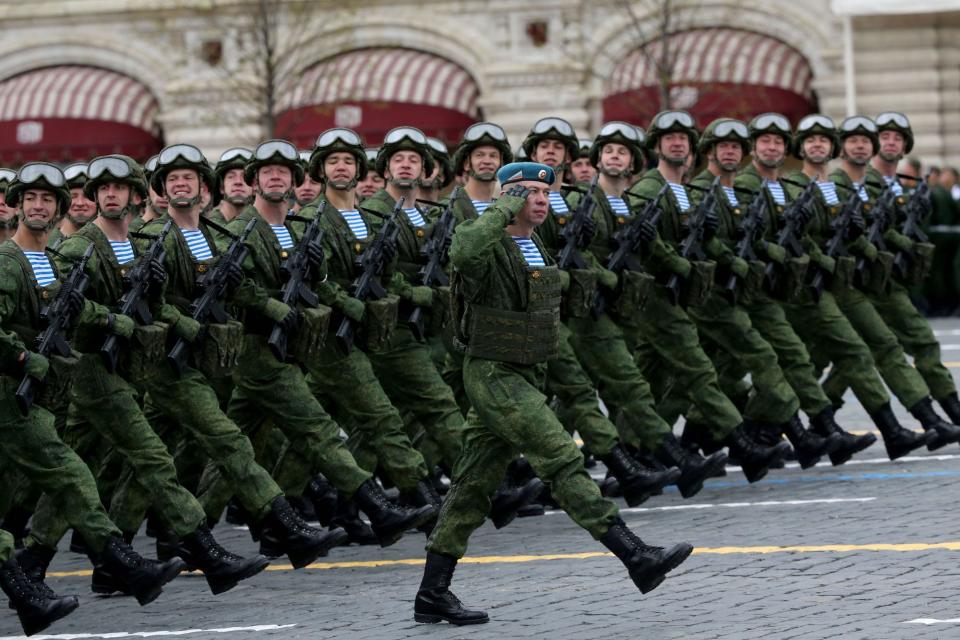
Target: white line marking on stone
[[733, 505], [946, 332], [929, 621], [151, 634]]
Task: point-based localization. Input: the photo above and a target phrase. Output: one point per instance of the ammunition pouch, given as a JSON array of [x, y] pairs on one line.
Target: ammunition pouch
[[55, 388], [696, 288], [148, 349], [440, 312], [311, 335], [876, 275], [843, 274], [793, 276], [219, 353], [519, 337], [919, 263], [379, 322], [578, 298], [635, 288]]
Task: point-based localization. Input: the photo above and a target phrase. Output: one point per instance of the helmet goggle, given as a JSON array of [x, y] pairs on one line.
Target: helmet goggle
[[6, 175], [477, 131], [853, 123], [305, 156], [78, 170], [236, 152], [36, 171], [272, 148], [545, 125], [187, 152], [115, 167], [437, 146], [371, 154], [151, 164], [731, 129], [584, 144], [628, 131], [893, 117], [410, 133], [672, 118], [815, 120], [346, 136], [768, 121]]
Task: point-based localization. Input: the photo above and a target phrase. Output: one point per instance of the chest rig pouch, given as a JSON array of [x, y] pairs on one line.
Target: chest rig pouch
[[147, 352], [312, 332], [876, 277], [793, 276], [843, 274], [918, 263], [578, 298], [697, 287], [379, 322], [218, 355], [635, 288], [520, 337]]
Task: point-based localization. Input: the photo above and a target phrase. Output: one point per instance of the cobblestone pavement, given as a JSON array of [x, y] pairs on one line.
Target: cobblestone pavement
[[867, 550]]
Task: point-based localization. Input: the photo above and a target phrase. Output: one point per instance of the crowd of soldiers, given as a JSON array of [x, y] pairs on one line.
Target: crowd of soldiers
[[293, 336]]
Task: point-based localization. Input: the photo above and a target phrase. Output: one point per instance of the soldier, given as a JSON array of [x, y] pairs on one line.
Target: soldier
[[82, 209], [270, 393], [8, 214], [509, 291], [372, 181], [309, 189], [36, 604], [235, 193], [665, 338], [31, 443], [582, 169], [442, 176], [156, 204], [818, 320], [858, 143]]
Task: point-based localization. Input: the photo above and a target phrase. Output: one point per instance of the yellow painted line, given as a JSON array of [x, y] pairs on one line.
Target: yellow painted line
[[952, 365], [417, 562]]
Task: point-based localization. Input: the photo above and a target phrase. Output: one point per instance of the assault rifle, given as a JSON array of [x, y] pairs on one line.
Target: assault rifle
[[134, 300], [794, 223], [916, 212], [437, 251], [58, 318], [691, 247], [372, 263], [213, 289], [296, 288], [570, 256], [750, 231], [836, 244], [881, 215]]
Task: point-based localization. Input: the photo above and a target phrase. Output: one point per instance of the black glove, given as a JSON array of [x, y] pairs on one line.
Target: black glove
[[290, 321], [761, 226], [587, 232], [647, 233], [315, 254], [389, 251], [518, 191], [158, 275], [710, 225], [75, 302], [856, 227], [234, 275]]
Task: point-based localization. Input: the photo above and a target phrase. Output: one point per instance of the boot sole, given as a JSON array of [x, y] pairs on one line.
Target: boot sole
[[434, 619], [678, 554], [222, 584], [300, 559]]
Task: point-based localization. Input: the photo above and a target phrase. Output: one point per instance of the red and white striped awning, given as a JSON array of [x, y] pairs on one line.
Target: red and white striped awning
[[718, 55], [72, 112]]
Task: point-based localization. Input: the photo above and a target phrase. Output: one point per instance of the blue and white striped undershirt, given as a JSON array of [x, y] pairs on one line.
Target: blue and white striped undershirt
[[531, 254], [683, 200], [413, 215], [776, 190], [356, 223], [618, 205], [198, 245], [829, 191], [557, 203], [481, 205], [731, 196], [862, 192], [894, 185], [42, 269], [123, 250], [283, 236]]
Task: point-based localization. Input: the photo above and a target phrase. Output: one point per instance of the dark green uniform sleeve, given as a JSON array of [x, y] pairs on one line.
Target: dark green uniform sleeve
[[11, 279], [474, 240]]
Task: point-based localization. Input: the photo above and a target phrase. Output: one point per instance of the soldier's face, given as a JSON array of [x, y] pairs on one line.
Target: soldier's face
[[6, 212], [857, 150], [483, 162], [114, 196], [275, 181], [582, 170], [182, 186], [372, 183], [404, 168], [235, 188], [727, 154], [550, 152], [308, 191], [770, 150], [158, 202], [433, 180], [340, 169], [615, 160], [39, 208], [81, 209], [892, 146], [674, 147], [817, 148], [535, 211]]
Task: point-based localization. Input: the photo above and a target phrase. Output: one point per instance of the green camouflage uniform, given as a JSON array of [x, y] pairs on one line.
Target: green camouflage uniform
[[6, 546]]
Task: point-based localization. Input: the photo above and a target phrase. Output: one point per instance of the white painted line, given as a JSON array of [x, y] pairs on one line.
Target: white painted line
[[946, 332], [929, 621], [732, 505], [151, 634], [950, 347]]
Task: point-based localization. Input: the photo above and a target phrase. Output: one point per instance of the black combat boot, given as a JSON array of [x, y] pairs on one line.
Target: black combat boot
[[946, 433], [825, 425], [696, 437], [15, 522], [637, 484], [767, 434], [951, 406], [899, 441], [509, 500], [648, 566], [36, 607], [120, 568], [236, 514], [34, 560], [435, 602], [222, 569], [284, 532], [808, 445], [388, 520], [694, 468], [755, 459], [168, 547], [347, 517], [324, 498], [423, 495], [77, 543]]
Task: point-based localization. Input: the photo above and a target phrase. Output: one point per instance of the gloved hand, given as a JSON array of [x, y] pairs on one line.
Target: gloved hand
[[856, 227], [775, 252], [710, 225], [647, 233], [276, 310], [314, 254], [290, 321], [234, 275], [804, 216], [761, 226], [35, 365], [740, 267], [120, 325], [870, 252], [389, 251], [353, 308], [187, 328], [75, 302], [518, 191], [158, 275], [587, 232], [564, 279], [421, 296]]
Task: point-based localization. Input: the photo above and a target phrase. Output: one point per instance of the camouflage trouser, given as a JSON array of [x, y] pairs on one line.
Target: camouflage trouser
[[510, 417], [268, 390], [579, 409], [666, 341], [407, 373], [904, 381], [6, 546], [108, 404], [189, 406], [830, 337], [31, 444], [915, 335], [600, 346], [453, 375]]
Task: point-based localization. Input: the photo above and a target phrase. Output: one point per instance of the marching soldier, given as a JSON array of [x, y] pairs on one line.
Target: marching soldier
[[156, 204], [442, 176], [8, 214], [582, 169], [235, 193], [82, 209], [309, 189], [372, 181]]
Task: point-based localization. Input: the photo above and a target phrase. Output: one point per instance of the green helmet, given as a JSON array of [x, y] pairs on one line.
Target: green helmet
[[404, 139], [482, 134], [584, 145], [332, 141], [274, 152], [896, 121], [724, 130], [76, 175], [551, 128], [149, 167], [441, 157], [860, 125], [6, 177], [371, 153], [811, 124], [39, 175], [669, 122], [114, 168], [520, 155], [183, 156], [233, 158], [623, 133], [775, 123]]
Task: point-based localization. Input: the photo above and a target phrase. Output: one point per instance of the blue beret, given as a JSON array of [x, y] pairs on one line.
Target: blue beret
[[518, 171]]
